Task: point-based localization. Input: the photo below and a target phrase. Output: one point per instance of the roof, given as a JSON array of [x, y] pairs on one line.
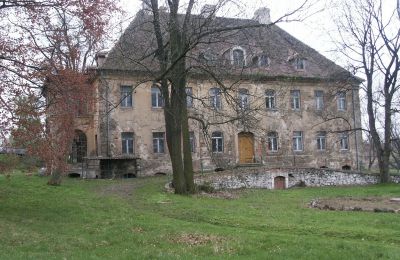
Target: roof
[[136, 48]]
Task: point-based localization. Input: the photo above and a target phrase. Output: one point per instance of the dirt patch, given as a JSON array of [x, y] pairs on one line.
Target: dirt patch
[[227, 195], [196, 239], [372, 204], [122, 189]]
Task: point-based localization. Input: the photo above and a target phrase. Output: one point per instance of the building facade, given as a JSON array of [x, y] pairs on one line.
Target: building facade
[[262, 97]]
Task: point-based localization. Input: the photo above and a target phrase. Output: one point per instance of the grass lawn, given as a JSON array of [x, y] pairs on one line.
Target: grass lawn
[[135, 219]]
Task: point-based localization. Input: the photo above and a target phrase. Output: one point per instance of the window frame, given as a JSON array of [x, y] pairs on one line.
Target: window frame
[[295, 95], [215, 98], [158, 142], [270, 105], [234, 57], [244, 98], [341, 101], [300, 63], [127, 143], [126, 96], [319, 100], [321, 141], [272, 141], [157, 100], [192, 141], [298, 142], [217, 142], [344, 142]]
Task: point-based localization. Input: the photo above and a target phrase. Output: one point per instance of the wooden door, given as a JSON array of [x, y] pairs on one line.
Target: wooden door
[[279, 183], [246, 148]]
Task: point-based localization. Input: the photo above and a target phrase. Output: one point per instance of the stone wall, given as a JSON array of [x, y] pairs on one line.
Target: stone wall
[[265, 178]]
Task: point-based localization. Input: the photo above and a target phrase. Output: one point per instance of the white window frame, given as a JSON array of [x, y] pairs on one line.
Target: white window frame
[[298, 141], [126, 96], [127, 142], [215, 98], [158, 142], [272, 138], [270, 99], [217, 142], [295, 96], [341, 101], [156, 96], [244, 99], [319, 99], [321, 141]]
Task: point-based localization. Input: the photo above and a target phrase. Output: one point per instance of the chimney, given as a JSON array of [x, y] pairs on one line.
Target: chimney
[[101, 57], [263, 15], [208, 11]]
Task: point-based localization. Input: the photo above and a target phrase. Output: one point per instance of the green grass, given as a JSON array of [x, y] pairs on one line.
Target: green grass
[[78, 220]]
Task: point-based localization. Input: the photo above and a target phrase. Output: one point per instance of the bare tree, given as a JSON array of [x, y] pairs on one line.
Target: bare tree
[[178, 35], [370, 38]]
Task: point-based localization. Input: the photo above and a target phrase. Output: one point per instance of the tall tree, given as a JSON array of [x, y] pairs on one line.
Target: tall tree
[[370, 38]]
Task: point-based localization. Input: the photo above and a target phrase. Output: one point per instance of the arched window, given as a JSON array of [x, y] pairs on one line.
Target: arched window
[[215, 98], [238, 57], [264, 61], [217, 142]]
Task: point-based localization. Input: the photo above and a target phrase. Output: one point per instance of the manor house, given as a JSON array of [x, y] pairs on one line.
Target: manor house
[[255, 96]]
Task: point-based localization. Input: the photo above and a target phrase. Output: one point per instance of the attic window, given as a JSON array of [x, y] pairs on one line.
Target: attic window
[[260, 61], [238, 57], [300, 64]]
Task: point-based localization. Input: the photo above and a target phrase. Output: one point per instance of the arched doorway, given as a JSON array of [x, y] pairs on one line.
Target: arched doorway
[[279, 183], [246, 147], [79, 147]]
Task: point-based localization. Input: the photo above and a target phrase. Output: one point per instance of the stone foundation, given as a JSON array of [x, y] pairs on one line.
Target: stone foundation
[[267, 178]]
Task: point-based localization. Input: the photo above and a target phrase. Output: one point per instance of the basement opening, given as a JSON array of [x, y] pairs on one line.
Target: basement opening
[[74, 175], [346, 167]]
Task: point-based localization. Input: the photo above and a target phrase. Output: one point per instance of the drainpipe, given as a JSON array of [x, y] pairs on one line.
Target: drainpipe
[[354, 125]]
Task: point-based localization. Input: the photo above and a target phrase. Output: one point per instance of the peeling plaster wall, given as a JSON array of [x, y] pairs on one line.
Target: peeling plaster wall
[[142, 120]]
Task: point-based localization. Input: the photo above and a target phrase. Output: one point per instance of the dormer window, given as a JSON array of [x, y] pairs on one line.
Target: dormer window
[[260, 61], [300, 64], [238, 57]]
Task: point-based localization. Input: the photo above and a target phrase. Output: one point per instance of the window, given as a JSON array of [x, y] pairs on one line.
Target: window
[[270, 99], [297, 141], [255, 61], [215, 98], [295, 99], [272, 141], [299, 64], [321, 141], [264, 61], [127, 142], [158, 142], [192, 141], [189, 97], [344, 141], [341, 99], [244, 102], [156, 98], [217, 142], [319, 99], [126, 96], [238, 58]]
